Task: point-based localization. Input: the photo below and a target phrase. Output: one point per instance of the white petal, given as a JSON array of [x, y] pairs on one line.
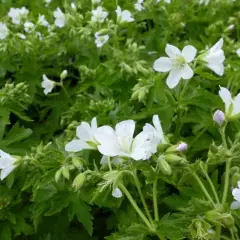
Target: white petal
[[236, 194], [172, 51], [107, 139], [104, 160], [226, 97], [174, 77], [125, 131], [117, 193], [189, 52], [236, 105], [76, 146], [215, 57], [187, 72], [6, 171], [162, 64], [217, 46], [84, 131], [238, 184], [235, 205], [158, 126], [94, 124], [218, 68]]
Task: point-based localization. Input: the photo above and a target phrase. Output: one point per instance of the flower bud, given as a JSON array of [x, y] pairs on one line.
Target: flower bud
[[117, 193], [58, 174], [164, 167], [174, 159], [219, 117], [76, 161], [79, 181], [65, 172], [182, 147], [64, 74]]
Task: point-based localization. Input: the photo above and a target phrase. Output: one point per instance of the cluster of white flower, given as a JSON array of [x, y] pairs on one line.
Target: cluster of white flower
[[138, 6], [177, 62]]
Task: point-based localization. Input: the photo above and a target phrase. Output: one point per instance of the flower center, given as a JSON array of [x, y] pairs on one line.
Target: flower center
[[180, 61]]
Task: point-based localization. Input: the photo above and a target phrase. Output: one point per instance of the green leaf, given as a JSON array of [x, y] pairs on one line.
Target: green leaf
[[5, 233], [83, 213]]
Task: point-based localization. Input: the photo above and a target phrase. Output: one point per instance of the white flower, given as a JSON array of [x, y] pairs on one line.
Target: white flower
[[96, 1], [22, 36], [99, 15], [121, 142], [176, 63], [138, 6], [214, 58], [166, 1], [238, 52], [206, 2], [156, 131], [73, 6], [42, 21], [47, 1], [123, 16], [60, 19], [47, 84], [6, 164], [3, 31], [28, 27], [39, 36], [232, 105], [236, 196], [85, 134], [16, 14], [117, 193], [219, 117], [101, 40], [114, 160]]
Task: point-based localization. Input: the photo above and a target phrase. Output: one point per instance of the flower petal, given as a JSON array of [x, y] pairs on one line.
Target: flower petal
[[174, 77], [189, 52], [226, 97], [94, 124], [187, 72], [236, 105], [218, 68], [76, 146], [158, 126], [215, 57], [217, 46], [6, 171], [107, 139], [235, 205], [117, 193], [172, 51], [236, 194], [84, 131], [162, 64]]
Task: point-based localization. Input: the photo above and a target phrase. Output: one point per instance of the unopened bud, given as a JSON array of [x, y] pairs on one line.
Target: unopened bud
[[58, 174], [79, 181], [164, 167], [64, 74], [77, 162], [73, 6], [182, 147], [65, 172], [174, 159], [117, 193], [219, 117]]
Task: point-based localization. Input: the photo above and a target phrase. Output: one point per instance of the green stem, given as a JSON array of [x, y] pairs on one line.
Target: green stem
[[212, 187], [232, 234], [135, 206], [161, 237], [109, 163], [66, 93], [222, 132], [203, 188], [226, 182], [218, 232], [155, 201]]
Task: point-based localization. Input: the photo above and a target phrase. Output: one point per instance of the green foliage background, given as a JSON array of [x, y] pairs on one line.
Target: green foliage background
[[113, 83]]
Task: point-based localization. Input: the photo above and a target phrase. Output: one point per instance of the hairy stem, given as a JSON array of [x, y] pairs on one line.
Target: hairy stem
[[226, 181], [203, 188], [155, 201], [212, 187], [109, 163], [135, 206], [218, 232]]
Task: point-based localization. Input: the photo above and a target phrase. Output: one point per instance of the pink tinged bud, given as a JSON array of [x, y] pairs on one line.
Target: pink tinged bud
[[182, 147], [219, 117]]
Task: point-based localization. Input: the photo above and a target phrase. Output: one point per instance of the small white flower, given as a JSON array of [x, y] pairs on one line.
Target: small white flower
[[3, 31], [214, 58], [63, 74], [236, 196], [28, 27], [47, 1], [219, 117], [231, 27], [60, 19], [101, 40], [156, 131], [96, 1], [16, 14], [182, 147], [42, 21], [176, 63], [232, 105], [238, 52], [123, 16], [85, 134], [166, 1], [98, 15], [47, 84], [73, 6], [6, 164], [121, 142], [117, 193], [138, 6], [206, 2], [22, 36]]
